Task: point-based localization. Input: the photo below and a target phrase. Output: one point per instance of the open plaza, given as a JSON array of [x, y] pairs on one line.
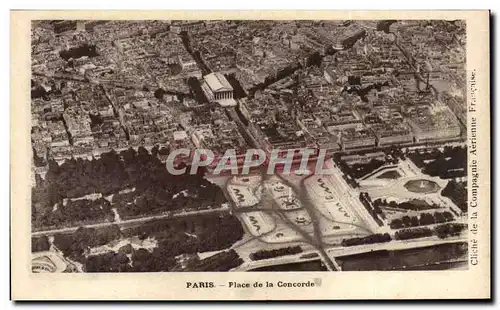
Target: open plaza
[[302, 207]]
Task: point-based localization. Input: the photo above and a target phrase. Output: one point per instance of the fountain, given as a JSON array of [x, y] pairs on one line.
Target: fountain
[[422, 186]]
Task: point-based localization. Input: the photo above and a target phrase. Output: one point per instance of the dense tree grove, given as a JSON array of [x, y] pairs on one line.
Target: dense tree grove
[[266, 254], [422, 219], [212, 233], [449, 229], [108, 262], [144, 261], [414, 205], [413, 233], [187, 235], [39, 244], [457, 192], [375, 238], [74, 245], [77, 212], [442, 231], [450, 163], [156, 191]]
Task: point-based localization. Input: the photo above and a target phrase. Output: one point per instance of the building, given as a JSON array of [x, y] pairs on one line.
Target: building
[[181, 26], [186, 63], [433, 123], [217, 89], [357, 137], [362, 159]]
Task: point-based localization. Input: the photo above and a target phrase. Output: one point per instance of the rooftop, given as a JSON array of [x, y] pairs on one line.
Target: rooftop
[[217, 82]]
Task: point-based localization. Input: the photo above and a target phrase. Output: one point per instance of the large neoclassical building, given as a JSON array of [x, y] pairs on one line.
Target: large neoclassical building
[[217, 89]]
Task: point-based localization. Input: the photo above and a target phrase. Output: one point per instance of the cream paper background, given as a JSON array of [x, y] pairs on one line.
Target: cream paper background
[[471, 283]]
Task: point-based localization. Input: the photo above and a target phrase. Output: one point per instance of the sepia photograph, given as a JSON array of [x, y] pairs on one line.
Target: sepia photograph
[[255, 145], [111, 100]]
